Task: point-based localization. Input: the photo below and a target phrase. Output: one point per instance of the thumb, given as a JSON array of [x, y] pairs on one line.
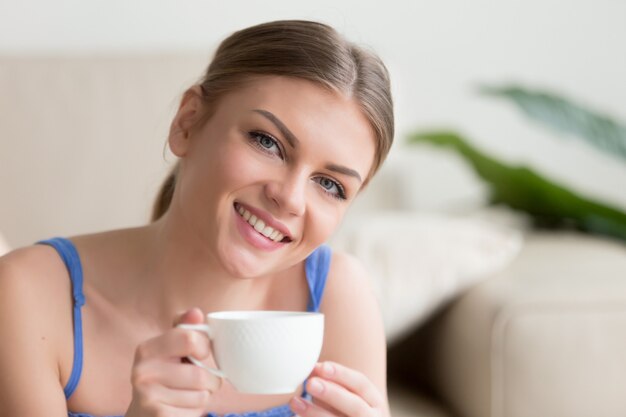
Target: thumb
[[191, 316]]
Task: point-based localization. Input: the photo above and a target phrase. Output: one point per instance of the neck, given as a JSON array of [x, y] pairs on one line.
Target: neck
[[179, 273]]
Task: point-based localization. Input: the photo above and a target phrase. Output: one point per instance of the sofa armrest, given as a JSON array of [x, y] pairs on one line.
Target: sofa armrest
[[545, 337]]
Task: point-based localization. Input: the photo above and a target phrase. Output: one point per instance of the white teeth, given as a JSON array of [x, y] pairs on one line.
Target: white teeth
[[260, 226]]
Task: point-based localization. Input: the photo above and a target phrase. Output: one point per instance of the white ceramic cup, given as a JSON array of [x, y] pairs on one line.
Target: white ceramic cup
[[263, 352]]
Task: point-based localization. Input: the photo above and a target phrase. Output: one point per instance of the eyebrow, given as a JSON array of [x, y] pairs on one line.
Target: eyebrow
[[344, 170], [293, 141], [291, 138]]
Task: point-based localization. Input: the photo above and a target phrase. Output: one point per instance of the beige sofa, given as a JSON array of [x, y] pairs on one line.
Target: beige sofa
[[544, 337], [81, 143]]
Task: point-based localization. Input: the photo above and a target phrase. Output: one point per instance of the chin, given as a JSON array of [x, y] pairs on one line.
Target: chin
[[242, 264]]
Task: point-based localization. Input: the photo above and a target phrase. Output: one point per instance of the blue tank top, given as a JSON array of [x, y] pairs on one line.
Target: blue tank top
[[316, 267]]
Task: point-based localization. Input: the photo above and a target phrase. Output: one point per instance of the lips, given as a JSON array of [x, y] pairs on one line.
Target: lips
[[264, 224]]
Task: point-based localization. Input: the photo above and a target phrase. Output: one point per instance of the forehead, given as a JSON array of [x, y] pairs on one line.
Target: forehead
[[317, 116]]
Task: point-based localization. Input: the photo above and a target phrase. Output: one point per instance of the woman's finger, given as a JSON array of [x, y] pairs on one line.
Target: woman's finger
[[174, 344], [352, 380], [186, 377], [339, 398], [191, 316], [304, 408], [168, 410], [190, 399]]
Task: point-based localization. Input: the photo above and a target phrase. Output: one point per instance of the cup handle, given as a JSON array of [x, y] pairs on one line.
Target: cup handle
[[207, 330]]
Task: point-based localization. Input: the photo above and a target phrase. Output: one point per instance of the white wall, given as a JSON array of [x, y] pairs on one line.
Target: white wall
[[436, 51]]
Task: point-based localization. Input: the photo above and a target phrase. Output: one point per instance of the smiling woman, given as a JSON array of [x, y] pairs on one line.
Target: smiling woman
[[286, 127]]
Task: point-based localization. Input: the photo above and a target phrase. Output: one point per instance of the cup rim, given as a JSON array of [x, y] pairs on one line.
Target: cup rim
[[261, 315]]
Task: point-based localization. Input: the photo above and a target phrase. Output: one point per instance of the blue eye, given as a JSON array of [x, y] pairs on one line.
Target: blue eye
[[266, 143], [331, 187]]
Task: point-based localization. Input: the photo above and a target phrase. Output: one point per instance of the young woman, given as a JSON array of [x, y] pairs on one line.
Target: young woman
[[288, 124]]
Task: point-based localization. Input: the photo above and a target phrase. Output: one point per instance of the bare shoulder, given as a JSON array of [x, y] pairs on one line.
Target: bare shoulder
[[33, 276], [35, 305], [354, 334], [348, 280]]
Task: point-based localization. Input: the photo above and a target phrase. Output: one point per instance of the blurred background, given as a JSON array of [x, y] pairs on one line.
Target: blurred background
[[438, 52], [88, 89]]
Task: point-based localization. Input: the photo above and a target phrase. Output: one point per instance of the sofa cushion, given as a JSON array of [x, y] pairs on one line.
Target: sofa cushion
[[420, 261]]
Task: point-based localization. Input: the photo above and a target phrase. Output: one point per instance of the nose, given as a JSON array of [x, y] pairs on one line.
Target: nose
[[288, 193]]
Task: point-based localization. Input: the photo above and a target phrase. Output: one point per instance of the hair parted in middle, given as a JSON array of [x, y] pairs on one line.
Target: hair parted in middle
[[300, 49]]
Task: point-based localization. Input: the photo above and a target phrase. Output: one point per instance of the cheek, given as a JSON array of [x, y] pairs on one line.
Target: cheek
[[236, 166], [323, 220]]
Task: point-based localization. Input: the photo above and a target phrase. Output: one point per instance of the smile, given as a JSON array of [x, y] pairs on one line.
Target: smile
[[259, 225]]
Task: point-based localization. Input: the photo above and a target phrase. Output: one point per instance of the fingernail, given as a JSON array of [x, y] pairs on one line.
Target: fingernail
[[298, 404], [316, 387], [328, 369]]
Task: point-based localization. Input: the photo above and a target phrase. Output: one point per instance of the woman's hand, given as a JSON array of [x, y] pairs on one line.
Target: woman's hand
[[163, 385], [339, 391]]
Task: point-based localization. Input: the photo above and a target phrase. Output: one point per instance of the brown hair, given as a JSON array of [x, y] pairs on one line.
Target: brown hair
[[301, 49]]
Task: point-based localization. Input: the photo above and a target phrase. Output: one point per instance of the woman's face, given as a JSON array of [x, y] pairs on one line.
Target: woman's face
[[282, 150]]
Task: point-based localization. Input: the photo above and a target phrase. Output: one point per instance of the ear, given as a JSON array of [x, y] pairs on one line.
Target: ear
[[189, 113]]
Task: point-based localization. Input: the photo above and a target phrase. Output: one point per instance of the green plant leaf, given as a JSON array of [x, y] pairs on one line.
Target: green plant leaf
[[566, 116], [520, 188]]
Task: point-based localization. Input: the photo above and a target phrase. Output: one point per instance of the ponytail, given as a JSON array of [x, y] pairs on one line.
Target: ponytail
[[164, 197]]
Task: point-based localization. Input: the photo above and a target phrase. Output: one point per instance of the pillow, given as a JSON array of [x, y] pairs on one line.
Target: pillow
[[418, 262], [4, 246]]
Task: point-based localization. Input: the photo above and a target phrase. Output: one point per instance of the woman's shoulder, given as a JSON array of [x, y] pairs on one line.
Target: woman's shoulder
[[42, 261], [352, 316], [346, 273], [34, 285], [34, 269], [35, 309], [348, 280]]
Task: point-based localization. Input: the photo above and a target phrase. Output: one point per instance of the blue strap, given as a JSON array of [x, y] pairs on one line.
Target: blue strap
[[69, 254], [280, 411], [316, 268]]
